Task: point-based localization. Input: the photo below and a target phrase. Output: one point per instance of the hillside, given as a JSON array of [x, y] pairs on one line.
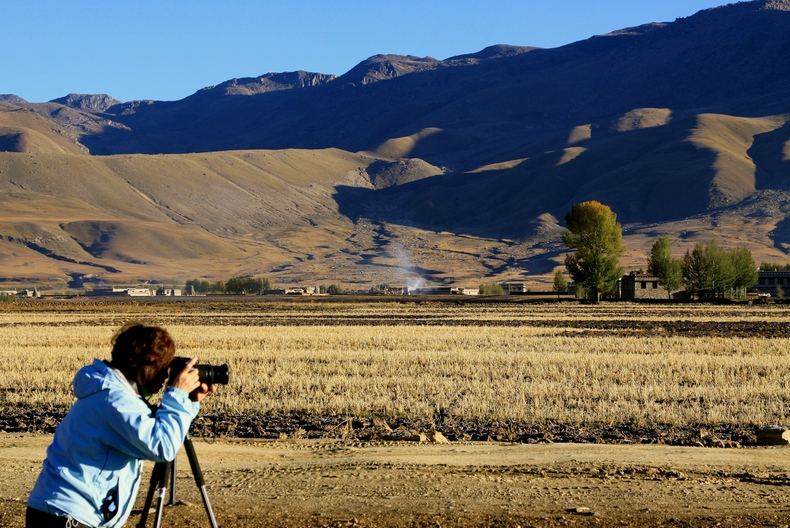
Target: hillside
[[406, 167], [117, 219]]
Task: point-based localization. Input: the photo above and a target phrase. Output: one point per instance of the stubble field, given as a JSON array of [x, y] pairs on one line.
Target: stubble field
[[329, 377]]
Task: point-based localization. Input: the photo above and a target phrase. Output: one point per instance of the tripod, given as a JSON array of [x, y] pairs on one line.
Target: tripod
[[164, 471]]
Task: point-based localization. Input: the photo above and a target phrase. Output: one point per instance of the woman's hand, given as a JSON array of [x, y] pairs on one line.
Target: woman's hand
[[201, 392], [188, 379]]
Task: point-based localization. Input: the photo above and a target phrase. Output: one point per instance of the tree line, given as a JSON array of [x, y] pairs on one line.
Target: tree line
[[234, 285], [707, 270], [247, 285]]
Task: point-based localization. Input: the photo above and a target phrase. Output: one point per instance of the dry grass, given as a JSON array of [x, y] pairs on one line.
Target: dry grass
[[474, 370]]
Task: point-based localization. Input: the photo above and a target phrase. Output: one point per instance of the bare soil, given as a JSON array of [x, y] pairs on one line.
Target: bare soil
[[335, 482]]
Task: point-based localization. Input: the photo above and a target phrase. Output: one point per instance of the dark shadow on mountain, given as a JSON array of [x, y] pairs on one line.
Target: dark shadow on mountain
[[781, 236], [51, 254], [646, 175], [768, 155], [486, 108]]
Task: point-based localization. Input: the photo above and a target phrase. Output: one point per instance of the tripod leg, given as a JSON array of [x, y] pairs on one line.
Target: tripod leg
[[201, 483], [172, 501], [156, 479], [160, 499]]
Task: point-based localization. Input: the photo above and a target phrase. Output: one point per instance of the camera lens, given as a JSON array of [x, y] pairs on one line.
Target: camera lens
[[209, 374], [213, 375]]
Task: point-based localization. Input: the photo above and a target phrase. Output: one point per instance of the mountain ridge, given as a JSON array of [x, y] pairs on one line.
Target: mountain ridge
[[470, 162]]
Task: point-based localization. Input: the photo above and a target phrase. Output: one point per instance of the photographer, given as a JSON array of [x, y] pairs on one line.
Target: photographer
[[93, 467]]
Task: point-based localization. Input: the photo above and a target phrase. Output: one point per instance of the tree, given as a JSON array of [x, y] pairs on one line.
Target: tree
[[709, 270], [236, 286], [560, 284], [744, 269], [596, 235], [200, 285], [242, 285], [697, 272], [663, 265], [774, 266], [491, 288]]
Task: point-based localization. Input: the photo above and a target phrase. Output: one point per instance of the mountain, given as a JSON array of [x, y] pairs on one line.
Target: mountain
[[89, 103], [454, 169]]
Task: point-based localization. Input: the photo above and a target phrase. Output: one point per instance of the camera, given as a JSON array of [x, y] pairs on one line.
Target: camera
[[209, 374]]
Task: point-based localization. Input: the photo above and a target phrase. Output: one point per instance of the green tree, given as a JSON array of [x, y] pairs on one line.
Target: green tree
[[744, 270], [242, 285], [723, 268], [596, 235], [560, 284], [663, 265], [235, 286], [697, 272], [774, 266], [200, 285], [491, 288], [334, 289], [710, 271]]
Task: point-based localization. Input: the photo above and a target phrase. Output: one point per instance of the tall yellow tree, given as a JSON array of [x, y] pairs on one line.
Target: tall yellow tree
[[597, 237]]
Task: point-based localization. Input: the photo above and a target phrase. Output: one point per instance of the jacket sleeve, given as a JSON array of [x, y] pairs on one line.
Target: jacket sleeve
[[145, 434]]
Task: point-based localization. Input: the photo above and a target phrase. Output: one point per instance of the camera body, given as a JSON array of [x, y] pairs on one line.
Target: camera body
[[208, 374]]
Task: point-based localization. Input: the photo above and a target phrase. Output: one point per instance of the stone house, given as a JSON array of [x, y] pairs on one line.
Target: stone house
[[642, 286]]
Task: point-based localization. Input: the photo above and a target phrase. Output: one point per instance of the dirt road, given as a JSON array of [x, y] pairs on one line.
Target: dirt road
[[339, 483]]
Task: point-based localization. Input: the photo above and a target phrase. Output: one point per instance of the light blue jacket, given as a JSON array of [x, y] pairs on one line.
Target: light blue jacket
[[92, 470]]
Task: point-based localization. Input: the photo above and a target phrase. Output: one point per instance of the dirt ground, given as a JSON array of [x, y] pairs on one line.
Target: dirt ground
[[335, 483]]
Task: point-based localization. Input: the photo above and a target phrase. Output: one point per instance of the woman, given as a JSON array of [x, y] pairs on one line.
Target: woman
[[92, 470]]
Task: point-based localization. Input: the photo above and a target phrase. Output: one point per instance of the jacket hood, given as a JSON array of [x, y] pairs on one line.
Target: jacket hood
[[96, 377]]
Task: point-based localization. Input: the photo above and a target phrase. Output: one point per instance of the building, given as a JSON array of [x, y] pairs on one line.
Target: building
[[445, 290], [515, 288], [296, 290], [642, 286], [120, 292], [168, 292], [769, 281]]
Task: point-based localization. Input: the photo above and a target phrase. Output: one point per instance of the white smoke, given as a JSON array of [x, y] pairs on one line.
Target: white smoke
[[415, 284], [408, 270]]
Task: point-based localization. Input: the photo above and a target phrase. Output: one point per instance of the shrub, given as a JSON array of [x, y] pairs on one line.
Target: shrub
[[491, 289]]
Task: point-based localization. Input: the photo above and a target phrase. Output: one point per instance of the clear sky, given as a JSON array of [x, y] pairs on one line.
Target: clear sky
[[169, 49]]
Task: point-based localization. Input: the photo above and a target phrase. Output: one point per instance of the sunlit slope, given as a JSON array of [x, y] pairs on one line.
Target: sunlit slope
[[142, 216], [25, 131]]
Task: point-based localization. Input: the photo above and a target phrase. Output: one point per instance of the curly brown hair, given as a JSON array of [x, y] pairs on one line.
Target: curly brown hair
[[141, 352]]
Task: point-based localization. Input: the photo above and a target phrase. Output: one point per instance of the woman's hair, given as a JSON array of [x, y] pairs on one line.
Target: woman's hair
[[141, 352]]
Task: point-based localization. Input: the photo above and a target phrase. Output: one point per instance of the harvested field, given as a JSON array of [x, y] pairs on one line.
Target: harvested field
[[366, 373], [509, 369]]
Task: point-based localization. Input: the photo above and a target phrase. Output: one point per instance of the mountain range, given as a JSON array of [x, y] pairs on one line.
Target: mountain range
[[412, 169]]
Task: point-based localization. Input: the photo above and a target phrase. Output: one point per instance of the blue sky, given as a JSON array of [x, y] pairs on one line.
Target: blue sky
[[169, 49]]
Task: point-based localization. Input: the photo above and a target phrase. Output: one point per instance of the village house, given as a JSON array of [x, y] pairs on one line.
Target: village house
[[444, 290], [120, 292], [293, 290], [516, 288], [637, 285], [769, 281]]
